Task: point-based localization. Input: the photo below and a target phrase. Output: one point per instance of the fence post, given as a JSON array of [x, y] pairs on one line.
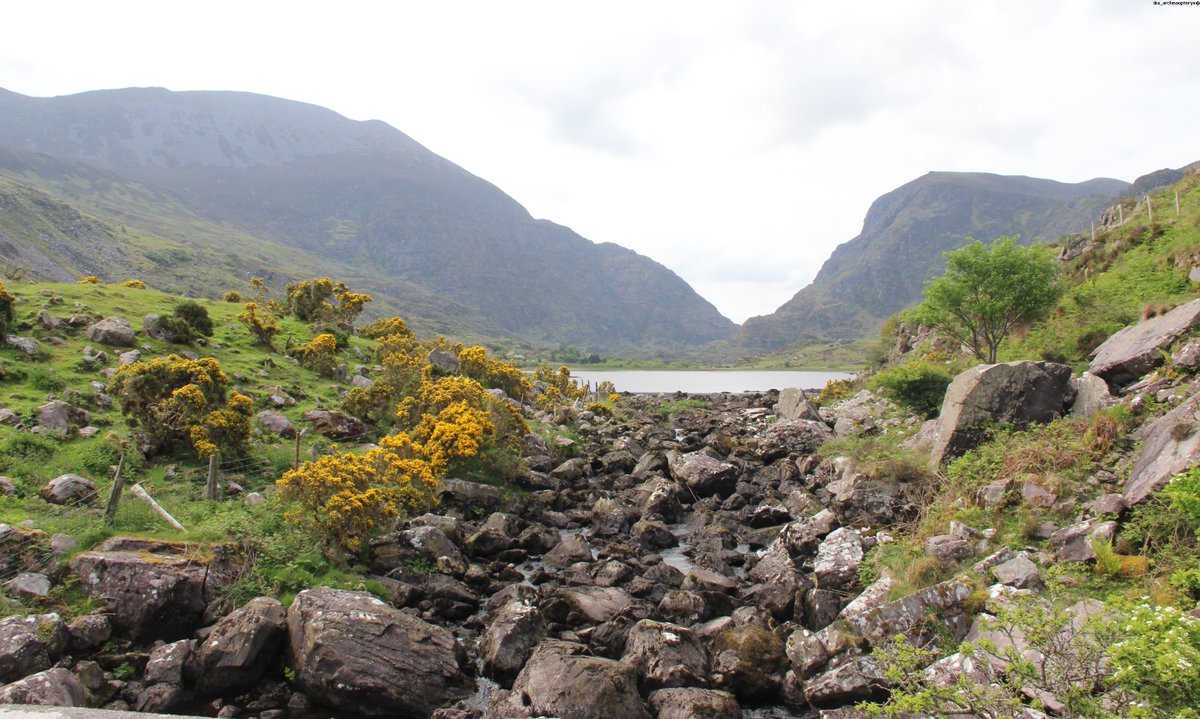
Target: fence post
[[210, 487], [1149, 212], [145, 497], [114, 496], [1177, 203]]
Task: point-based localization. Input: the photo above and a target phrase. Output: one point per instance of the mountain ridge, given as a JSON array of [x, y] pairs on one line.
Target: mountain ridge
[[367, 196], [884, 268]]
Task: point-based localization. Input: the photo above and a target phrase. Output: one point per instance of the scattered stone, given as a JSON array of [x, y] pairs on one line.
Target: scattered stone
[[838, 560], [111, 331], [240, 648], [694, 703], [69, 489], [277, 423], [127, 358], [1019, 572], [61, 418], [443, 360], [53, 687], [794, 404], [336, 425], [28, 586], [1074, 543], [27, 345]]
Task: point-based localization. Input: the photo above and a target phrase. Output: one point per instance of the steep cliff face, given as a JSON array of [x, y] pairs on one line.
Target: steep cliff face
[[885, 268], [361, 195]]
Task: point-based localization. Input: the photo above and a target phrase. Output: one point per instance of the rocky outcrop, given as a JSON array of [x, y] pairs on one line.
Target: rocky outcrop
[[155, 589], [990, 395], [353, 652], [1137, 349], [1170, 444]]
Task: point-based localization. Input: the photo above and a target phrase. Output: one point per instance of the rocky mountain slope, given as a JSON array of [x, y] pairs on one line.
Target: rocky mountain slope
[[243, 185], [885, 268]]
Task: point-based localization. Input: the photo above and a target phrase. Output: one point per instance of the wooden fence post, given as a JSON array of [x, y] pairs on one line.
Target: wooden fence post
[[114, 496], [1149, 212], [210, 486], [145, 496]]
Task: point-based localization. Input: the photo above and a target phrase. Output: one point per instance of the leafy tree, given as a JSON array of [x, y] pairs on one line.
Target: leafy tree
[[987, 291]]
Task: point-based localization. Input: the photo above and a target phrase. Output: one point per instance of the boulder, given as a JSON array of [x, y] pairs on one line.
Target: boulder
[[847, 679], [511, 635], [111, 331], [573, 548], [443, 360], [665, 655], [1074, 543], [155, 589], [596, 604], [30, 644], [69, 489], [88, 632], [166, 663], [857, 498], [794, 404], [559, 681], [28, 586], [792, 436], [948, 550], [154, 328], [988, 395], [61, 418], [54, 687], [27, 345], [335, 425], [276, 423], [1170, 444], [469, 495], [355, 653], [1019, 572], [838, 560], [1091, 395], [240, 648], [702, 474], [749, 661], [1137, 349], [23, 550], [8, 488], [694, 703]]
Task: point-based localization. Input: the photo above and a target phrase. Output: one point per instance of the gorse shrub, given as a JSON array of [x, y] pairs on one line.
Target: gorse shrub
[[264, 327], [319, 355], [310, 300], [8, 318], [179, 402]]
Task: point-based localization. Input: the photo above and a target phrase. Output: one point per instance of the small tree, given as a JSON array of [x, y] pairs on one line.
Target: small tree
[[987, 291]]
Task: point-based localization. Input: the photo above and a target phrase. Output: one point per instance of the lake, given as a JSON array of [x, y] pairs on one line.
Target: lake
[[706, 381]]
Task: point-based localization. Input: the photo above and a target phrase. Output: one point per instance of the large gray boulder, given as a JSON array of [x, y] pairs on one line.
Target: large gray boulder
[[54, 687], [69, 489], [510, 637], [665, 655], [111, 331], [1137, 349], [990, 395], [694, 703], [1170, 444], [240, 647], [60, 418], [353, 652], [794, 404], [559, 681], [838, 560], [30, 644], [702, 474], [155, 589]]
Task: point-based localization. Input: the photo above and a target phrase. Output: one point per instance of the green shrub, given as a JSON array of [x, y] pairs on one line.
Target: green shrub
[[45, 380], [919, 386]]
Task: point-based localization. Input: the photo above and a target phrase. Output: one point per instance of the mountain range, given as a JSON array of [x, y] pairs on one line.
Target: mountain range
[[197, 192]]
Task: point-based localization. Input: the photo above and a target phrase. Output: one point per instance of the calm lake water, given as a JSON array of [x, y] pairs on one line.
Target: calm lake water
[[706, 381]]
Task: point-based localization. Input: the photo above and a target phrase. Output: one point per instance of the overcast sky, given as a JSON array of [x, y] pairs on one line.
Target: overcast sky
[[737, 143]]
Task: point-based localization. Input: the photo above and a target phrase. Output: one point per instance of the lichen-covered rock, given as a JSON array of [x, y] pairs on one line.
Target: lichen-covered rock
[[702, 474], [838, 559], [749, 661], [53, 687], [30, 644], [166, 663], [240, 647], [353, 652], [694, 703], [665, 655], [559, 681], [155, 589]]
